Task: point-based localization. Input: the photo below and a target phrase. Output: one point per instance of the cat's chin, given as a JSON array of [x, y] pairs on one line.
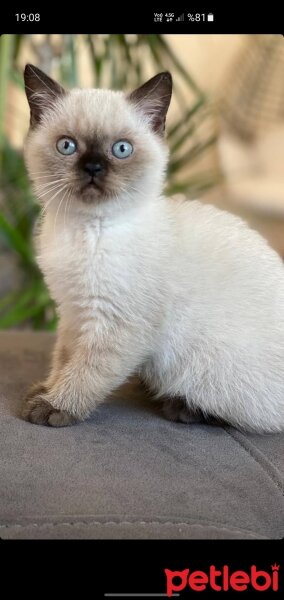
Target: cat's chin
[[91, 193]]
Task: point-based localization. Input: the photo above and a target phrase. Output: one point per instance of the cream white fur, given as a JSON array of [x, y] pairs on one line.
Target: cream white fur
[[184, 293]]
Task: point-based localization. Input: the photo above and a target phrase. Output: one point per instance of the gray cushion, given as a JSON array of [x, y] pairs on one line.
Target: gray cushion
[[127, 472]]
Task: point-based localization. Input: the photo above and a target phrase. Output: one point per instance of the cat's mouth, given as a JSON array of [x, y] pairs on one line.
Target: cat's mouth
[[92, 190], [92, 184], [95, 190]]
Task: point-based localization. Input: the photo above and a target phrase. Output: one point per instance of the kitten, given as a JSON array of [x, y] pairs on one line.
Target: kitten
[[183, 293]]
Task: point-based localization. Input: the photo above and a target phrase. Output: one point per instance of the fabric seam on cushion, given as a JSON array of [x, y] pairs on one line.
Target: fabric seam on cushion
[[121, 523], [264, 463], [112, 521], [155, 521]]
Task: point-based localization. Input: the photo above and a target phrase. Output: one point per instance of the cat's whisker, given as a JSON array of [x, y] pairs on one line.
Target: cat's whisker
[[57, 212], [51, 177], [127, 189], [43, 211], [48, 176], [50, 183], [69, 200], [42, 184], [51, 199], [66, 204], [49, 191], [45, 192], [47, 172], [139, 191], [64, 222], [38, 172]]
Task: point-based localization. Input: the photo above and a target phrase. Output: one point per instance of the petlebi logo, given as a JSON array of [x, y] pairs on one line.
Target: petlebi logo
[[222, 579]]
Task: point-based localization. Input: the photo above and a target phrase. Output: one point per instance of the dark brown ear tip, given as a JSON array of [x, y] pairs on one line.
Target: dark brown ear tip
[[29, 71], [167, 76], [28, 68]]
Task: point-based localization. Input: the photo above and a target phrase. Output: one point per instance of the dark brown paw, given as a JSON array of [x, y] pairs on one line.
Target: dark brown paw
[[40, 411], [175, 409]]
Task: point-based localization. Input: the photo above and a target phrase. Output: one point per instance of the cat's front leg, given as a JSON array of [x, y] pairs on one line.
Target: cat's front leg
[[37, 408], [88, 372]]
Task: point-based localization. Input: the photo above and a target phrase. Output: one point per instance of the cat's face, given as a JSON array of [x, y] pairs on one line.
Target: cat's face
[[95, 145]]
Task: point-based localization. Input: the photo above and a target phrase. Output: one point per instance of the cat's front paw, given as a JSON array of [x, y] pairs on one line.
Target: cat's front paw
[[39, 411]]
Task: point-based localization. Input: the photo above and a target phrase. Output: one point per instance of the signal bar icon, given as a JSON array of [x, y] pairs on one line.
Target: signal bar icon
[[180, 18]]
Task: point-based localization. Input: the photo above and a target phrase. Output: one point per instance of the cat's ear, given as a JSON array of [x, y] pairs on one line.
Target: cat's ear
[[41, 91], [153, 99]]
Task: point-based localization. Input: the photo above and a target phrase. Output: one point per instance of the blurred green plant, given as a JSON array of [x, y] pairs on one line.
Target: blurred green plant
[[120, 62]]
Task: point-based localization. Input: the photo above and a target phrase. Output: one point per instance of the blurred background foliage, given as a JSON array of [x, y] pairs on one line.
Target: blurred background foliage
[[115, 61]]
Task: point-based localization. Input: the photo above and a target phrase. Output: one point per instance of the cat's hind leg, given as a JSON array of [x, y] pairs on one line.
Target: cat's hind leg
[[176, 409]]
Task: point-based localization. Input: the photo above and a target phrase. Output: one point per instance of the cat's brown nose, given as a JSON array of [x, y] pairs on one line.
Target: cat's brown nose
[[93, 169]]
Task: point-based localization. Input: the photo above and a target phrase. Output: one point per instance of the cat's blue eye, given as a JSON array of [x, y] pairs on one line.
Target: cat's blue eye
[[66, 146], [122, 149]]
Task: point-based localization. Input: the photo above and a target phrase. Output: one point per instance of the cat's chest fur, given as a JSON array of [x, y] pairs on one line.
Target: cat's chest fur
[[79, 260], [95, 266]]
